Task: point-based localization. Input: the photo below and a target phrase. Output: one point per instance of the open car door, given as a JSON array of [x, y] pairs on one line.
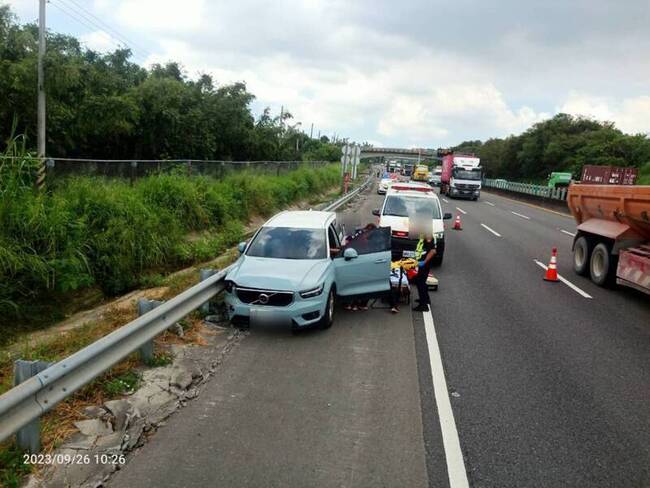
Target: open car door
[[363, 266]]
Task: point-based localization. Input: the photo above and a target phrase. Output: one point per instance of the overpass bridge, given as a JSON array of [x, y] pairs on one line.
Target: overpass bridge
[[414, 154]]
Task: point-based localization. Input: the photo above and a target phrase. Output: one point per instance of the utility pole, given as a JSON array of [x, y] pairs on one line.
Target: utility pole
[[40, 179], [41, 79], [311, 131]]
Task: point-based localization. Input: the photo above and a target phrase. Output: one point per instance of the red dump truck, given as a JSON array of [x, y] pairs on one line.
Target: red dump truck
[[613, 239]]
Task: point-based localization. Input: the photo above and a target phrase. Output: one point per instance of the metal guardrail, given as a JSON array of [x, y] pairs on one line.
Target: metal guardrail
[[535, 190], [26, 402], [348, 196]]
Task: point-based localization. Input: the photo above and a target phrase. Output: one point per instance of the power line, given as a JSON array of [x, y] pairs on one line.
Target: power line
[[117, 34], [72, 14]]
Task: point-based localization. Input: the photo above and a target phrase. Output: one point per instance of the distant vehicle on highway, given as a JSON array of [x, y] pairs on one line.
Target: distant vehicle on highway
[[461, 176], [559, 179], [613, 239], [405, 202], [434, 178], [421, 173], [384, 185], [394, 167], [294, 268]]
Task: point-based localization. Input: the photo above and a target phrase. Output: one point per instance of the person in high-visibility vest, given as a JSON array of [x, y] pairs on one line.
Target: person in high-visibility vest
[[424, 253]]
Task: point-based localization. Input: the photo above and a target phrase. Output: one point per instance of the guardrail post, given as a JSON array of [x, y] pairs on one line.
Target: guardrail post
[[29, 437], [204, 274], [144, 306], [134, 167]]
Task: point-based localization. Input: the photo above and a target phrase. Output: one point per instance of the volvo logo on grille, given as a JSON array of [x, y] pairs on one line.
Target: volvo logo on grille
[[263, 298]]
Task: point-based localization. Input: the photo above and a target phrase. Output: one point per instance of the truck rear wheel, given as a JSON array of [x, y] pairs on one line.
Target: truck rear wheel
[[602, 265], [581, 255]]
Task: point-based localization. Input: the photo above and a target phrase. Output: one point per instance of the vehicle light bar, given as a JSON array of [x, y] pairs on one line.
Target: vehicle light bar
[[411, 188], [400, 233]]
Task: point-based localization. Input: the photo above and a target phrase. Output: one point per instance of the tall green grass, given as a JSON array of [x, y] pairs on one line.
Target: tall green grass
[[110, 234]]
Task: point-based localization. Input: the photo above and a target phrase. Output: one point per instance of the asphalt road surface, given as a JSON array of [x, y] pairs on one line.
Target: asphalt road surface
[[510, 381]]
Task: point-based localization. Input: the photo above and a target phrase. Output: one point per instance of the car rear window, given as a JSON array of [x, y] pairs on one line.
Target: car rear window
[[288, 243]]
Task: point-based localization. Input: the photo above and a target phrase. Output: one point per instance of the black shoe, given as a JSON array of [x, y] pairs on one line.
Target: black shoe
[[421, 308]]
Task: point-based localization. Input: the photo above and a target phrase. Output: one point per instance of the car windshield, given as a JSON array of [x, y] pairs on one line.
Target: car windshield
[[467, 175], [288, 243], [403, 206]]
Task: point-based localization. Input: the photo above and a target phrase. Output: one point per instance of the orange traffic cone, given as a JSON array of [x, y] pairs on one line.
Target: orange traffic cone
[[457, 225], [551, 271]]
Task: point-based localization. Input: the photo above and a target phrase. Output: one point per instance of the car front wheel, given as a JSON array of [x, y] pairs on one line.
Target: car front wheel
[[328, 317]]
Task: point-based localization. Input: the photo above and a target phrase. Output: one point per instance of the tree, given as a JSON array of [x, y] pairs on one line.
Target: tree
[[105, 106]]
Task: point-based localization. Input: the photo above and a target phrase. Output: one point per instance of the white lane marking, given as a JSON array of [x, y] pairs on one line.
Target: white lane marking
[[568, 233], [489, 203], [520, 215], [566, 282], [445, 200], [492, 230], [461, 210], [450, 440]]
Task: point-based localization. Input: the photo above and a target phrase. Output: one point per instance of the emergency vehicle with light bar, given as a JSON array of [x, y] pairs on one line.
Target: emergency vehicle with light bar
[[406, 207]]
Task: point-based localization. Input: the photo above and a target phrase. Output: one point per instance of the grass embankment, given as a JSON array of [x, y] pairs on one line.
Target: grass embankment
[[108, 235]]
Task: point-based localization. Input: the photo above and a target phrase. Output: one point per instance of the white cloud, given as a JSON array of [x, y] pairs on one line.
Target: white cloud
[[161, 15], [385, 70], [99, 41], [629, 114]]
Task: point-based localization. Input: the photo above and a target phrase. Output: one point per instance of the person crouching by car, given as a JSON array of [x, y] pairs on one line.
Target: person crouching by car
[[425, 251]]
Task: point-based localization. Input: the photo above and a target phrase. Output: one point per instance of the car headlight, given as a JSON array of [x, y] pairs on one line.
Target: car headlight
[[313, 292], [229, 286]]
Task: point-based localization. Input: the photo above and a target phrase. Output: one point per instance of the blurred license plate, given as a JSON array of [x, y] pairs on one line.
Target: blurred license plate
[[408, 254], [268, 316]]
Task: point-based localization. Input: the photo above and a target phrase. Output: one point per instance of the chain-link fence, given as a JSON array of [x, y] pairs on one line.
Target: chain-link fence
[[133, 169]]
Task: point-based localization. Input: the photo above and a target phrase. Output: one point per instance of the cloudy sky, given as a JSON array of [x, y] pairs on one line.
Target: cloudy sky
[[422, 73]]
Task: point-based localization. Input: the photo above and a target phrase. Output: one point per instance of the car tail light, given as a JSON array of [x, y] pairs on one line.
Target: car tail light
[[400, 233]]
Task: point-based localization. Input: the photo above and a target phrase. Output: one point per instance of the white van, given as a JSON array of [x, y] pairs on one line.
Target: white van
[[403, 202]]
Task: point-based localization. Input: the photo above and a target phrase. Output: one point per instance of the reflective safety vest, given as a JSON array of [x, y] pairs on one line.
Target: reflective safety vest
[[419, 249]]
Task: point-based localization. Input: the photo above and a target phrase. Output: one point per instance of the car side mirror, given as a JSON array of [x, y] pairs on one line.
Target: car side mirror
[[375, 212], [350, 253], [242, 247], [447, 216]]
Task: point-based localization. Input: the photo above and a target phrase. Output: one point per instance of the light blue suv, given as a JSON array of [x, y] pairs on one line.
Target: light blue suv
[[294, 268]]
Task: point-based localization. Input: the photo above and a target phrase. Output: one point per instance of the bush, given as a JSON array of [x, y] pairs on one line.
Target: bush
[[644, 175], [109, 233]]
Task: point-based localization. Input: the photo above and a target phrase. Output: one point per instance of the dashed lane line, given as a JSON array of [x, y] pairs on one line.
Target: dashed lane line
[[567, 232], [445, 200], [520, 215], [491, 230], [461, 210], [566, 282], [489, 203], [450, 440]]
